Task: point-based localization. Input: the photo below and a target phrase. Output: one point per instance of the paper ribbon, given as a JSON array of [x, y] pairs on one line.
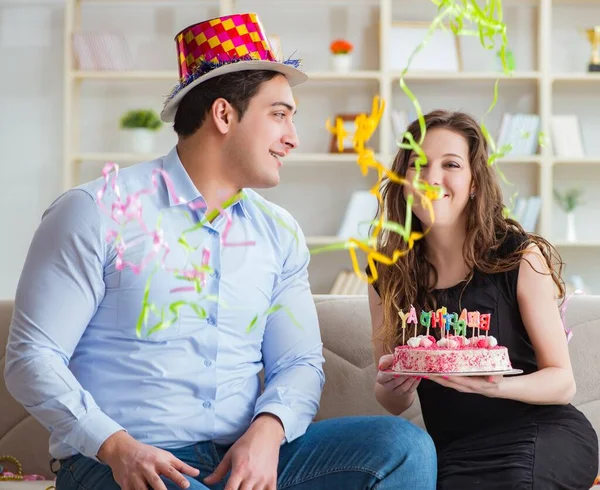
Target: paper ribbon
[[460, 15]]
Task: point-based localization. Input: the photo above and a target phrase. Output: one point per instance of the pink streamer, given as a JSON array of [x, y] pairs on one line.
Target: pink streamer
[[128, 210], [228, 224], [563, 311]]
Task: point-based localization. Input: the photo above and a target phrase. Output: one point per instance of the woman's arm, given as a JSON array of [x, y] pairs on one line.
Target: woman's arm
[[553, 383], [395, 393]]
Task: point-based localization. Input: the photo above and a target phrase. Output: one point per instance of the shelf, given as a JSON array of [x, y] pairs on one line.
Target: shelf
[[125, 75], [576, 161], [466, 76], [315, 75], [351, 75], [576, 77], [524, 159], [562, 244], [575, 2], [146, 3], [293, 159], [173, 76], [317, 241], [320, 158], [297, 158], [115, 157]]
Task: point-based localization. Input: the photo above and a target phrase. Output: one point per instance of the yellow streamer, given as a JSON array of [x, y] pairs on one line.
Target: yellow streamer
[[365, 126], [459, 15]]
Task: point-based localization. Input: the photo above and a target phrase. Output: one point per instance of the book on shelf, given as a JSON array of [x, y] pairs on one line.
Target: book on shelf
[[101, 51], [360, 213], [347, 282], [566, 136], [526, 211], [521, 132]]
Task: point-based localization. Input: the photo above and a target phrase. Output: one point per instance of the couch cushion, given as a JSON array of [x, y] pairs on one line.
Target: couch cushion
[[350, 368], [26, 485], [21, 435], [583, 317]]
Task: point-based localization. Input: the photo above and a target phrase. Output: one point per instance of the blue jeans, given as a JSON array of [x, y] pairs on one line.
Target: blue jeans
[[379, 453]]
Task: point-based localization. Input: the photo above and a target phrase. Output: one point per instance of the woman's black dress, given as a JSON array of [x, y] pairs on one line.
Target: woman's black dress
[[492, 443]]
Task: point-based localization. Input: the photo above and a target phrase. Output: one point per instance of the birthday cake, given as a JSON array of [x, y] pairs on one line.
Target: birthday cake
[[455, 352]]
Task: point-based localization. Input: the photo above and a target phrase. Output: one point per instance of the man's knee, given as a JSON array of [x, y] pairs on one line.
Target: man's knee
[[406, 440]]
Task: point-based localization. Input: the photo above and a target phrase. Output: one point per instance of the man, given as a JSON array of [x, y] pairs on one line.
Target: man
[[182, 407]]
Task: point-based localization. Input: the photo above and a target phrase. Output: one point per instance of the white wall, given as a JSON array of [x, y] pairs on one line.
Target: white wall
[[31, 95], [30, 128]]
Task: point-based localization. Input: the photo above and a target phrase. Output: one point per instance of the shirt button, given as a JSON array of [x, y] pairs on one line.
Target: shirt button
[[215, 274], [212, 232], [211, 320], [206, 404], [207, 363]]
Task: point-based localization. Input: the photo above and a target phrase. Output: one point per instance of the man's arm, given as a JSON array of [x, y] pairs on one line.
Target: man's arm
[[60, 288], [292, 347], [292, 355]]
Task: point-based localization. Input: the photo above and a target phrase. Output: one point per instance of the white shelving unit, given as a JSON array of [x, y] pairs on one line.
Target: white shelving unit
[[537, 83]]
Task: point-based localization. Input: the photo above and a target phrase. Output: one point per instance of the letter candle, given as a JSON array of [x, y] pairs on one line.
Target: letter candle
[[441, 312], [437, 321], [474, 322], [450, 322], [461, 325], [426, 320], [455, 325], [412, 318], [403, 316], [484, 322]]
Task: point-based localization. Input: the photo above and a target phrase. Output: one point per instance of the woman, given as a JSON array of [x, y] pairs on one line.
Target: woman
[[490, 432]]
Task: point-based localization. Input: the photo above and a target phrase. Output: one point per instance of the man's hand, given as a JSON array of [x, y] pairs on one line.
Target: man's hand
[[136, 465], [253, 459]]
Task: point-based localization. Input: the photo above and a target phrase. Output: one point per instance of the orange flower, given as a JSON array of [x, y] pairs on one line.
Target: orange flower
[[341, 46]]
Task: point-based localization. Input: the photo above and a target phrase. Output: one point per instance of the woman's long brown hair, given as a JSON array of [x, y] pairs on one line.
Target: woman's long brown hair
[[412, 279]]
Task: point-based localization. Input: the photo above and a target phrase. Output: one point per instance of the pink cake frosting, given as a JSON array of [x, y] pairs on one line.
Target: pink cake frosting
[[451, 355]]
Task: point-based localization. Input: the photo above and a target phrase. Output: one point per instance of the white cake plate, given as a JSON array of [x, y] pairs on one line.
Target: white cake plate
[[508, 372]]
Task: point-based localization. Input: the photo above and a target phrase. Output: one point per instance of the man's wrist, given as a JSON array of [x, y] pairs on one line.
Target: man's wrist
[[272, 424], [109, 446]]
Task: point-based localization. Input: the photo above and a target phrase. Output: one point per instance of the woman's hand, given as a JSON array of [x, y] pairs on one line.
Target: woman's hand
[[395, 383], [482, 385]]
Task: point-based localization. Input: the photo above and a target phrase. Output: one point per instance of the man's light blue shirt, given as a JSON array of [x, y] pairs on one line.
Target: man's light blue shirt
[[74, 359]]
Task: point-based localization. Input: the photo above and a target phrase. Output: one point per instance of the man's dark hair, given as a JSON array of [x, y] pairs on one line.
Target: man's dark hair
[[237, 88]]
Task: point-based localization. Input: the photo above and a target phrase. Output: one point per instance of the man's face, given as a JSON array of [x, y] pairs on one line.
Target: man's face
[[265, 135]]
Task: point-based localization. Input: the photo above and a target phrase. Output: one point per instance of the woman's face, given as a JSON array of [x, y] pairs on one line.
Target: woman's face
[[447, 166]]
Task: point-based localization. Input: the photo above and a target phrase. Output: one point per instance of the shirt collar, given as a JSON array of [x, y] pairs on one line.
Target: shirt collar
[[181, 189]]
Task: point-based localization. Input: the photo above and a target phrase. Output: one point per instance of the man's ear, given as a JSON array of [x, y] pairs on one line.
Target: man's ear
[[222, 114]]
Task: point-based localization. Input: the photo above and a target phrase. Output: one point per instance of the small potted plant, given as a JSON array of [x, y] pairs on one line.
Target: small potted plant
[[142, 123], [569, 200], [342, 55]]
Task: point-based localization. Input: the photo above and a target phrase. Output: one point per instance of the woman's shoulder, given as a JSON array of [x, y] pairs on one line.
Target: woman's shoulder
[[507, 255], [511, 242]]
